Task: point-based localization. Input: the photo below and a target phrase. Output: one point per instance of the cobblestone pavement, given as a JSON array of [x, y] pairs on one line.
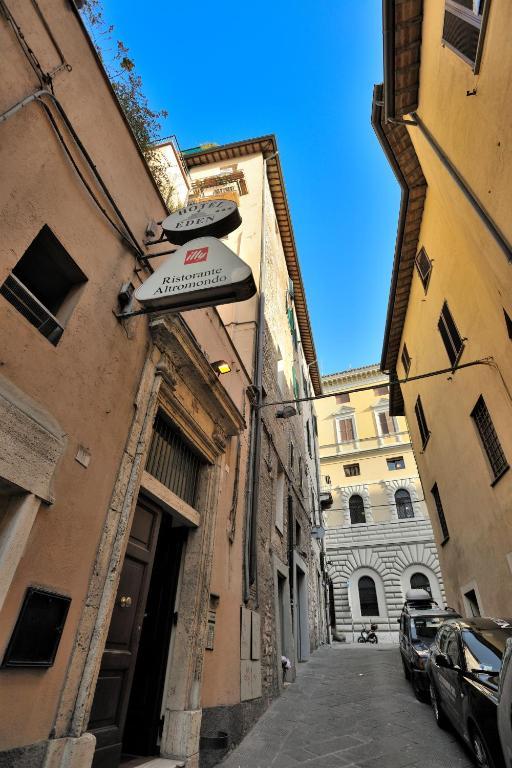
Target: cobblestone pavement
[[350, 706]]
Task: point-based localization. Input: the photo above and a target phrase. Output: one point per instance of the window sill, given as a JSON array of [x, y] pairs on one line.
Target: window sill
[[498, 478], [445, 541]]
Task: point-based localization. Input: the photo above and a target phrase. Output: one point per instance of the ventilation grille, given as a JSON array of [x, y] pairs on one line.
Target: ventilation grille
[[172, 461], [462, 35], [31, 308]]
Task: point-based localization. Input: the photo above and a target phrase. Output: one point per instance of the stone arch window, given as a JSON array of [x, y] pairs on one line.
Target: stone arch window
[[403, 503], [368, 596], [356, 507], [420, 581]]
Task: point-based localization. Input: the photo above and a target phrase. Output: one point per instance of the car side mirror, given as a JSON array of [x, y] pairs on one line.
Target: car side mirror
[[442, 660]]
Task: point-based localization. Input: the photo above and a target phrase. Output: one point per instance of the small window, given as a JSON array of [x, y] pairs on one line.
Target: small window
[[300, 472], [471, 601], [489, 438], [298, 534], [386, 423], [422, 422], [346, 430], [368, 596], [343, 397], [406, 360], [327, 479], [420, 581], [315, 425], [44, 286], [396, 463], [356, 508], [424, 267], [384, 390], [464, 27], [308, 439], [351, 470], [440, 512], [292, 458], [403, 504], [508, 323], [450, 335]]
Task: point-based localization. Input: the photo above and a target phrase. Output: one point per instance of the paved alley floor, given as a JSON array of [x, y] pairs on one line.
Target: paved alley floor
[[350, 706]]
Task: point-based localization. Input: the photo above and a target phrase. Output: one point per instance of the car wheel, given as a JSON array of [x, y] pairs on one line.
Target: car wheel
[[419, 692], [480, 750], [407, 673], [439, 715]]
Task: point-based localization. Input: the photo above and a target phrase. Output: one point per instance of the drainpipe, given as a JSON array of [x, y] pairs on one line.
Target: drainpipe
[[251, 538]]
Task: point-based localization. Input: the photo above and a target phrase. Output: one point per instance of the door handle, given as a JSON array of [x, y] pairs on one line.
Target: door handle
[[125, 601]]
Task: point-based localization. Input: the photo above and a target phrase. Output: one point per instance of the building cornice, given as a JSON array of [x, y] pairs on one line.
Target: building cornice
[[267, 146]]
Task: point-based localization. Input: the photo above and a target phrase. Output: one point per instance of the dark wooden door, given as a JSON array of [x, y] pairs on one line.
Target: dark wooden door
[[112, 694]]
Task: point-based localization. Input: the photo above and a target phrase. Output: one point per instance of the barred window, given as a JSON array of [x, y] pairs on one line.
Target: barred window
[[424, 267], [403, 504], [351, 470], [422, 422], [406, 360], [440, 512], [356, 507], [450, 335], [464, 28], [172, 460], [489, 438]]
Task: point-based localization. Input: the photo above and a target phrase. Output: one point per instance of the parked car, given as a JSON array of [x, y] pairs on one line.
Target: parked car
[[419, 622], [463, 667], [505, 704]]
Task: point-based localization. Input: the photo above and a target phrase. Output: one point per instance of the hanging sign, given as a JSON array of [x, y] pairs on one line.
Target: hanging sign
[[202, 273], [206, 217]]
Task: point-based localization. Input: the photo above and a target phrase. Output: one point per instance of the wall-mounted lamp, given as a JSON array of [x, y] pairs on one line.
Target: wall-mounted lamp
[[220, 366], [286, 412]]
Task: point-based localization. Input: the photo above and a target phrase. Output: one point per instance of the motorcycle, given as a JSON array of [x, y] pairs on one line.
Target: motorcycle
[[368, 636]]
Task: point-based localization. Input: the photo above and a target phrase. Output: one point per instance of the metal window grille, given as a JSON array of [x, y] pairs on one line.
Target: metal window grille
[[422, 422], [440, 512], [450, 335], [424, 267], [403, 502], [356, 507], [368, 596], [464, 27], [31, 308], [351, 470], [172, 461], [489, 438], [420, 581], [406, 360]]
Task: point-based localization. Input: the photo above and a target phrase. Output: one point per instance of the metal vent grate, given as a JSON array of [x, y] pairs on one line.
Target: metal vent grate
[[31, 308], [172, 461], [462, 35]]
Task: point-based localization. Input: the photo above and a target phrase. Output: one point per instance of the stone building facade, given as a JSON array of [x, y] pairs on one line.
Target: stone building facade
[[379, 540]]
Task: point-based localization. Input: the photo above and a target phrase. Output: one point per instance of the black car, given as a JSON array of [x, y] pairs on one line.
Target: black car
[[419, 622], [463, 668]]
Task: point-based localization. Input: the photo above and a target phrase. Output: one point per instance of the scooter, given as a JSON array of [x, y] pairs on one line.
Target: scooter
[[368, 636]]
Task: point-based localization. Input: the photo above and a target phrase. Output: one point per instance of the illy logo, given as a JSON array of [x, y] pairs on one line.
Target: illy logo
[[196, 255]]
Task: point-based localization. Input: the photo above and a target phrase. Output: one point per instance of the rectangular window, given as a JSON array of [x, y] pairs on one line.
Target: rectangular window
[[471, 601], [396, 463], [450, 335], [384, 390], [464, 28], [308, 439], [315, 425], [346, 430], [440, 512], [386, 423], [172, 460], [351, 470], [280, 500], [422, 422], [343, 397], [424, 267], [292, 458], [406, 360], [489, 438], [44, 286]]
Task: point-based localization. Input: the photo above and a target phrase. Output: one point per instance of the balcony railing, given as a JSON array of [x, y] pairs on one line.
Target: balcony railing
[[348, 447]]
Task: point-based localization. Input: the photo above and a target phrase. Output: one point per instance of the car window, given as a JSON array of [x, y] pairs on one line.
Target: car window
[[483, 650], [452, 648], [424, 628], [442, 637]]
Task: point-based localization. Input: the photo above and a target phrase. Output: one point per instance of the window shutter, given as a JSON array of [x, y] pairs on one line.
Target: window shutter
[[424, 267], [346, 429], [450, 335], [384, 423], [463, 28]]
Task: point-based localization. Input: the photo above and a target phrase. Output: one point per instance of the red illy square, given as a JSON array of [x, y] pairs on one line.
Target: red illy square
[[196, 255]]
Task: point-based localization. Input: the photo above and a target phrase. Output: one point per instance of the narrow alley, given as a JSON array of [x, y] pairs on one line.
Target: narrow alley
[[350, 706]]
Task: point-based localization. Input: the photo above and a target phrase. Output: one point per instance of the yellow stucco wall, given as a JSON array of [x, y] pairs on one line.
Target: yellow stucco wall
[[473, 275]]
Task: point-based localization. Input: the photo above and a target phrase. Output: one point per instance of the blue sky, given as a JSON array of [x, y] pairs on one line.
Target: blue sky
[[229, 71]]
